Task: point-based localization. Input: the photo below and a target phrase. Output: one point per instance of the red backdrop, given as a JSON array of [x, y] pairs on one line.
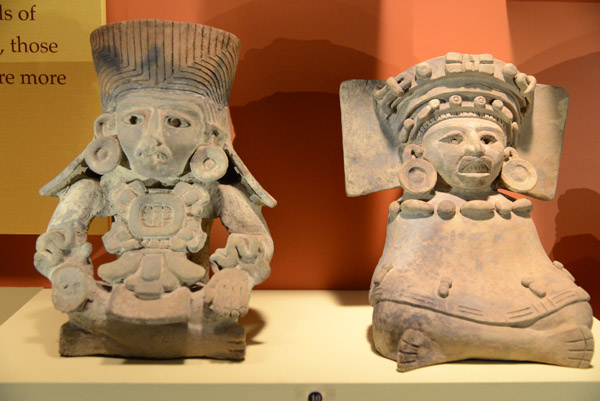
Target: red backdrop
[[285, 109]]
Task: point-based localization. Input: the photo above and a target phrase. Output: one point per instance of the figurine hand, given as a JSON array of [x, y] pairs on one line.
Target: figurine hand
[[50, 247], [70, 287], [244, 252], [54, 246], [228, 293]]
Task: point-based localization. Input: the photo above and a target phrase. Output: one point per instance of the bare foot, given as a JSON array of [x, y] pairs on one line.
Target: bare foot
[[571, 346], [416, 350]]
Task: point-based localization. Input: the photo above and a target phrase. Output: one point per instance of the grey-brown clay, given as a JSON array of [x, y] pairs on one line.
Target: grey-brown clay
[[463, 273], [162, 165]]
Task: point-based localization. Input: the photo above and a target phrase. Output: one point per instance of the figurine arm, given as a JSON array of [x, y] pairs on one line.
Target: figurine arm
[[249, 245], [62, 252], [78, 205], [244, 262]]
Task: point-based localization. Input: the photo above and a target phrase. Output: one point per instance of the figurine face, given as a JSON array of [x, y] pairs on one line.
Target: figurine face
[[158, 131], [466, 152]]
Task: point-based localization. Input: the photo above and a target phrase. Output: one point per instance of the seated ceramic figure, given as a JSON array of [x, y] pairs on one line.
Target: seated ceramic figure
[[463, 273], [162, 165]]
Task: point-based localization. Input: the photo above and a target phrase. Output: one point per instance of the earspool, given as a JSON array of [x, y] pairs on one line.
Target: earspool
[[209, 163], [103, 154]]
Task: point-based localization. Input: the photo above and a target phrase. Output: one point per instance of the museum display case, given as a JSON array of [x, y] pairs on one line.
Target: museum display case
[[303, 335]]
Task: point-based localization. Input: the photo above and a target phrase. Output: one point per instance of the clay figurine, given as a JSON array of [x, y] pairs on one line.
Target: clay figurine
[[463, 274], [162, 165]]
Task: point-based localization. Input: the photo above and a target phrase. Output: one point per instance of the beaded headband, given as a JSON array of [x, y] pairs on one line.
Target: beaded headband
[[451, 85]]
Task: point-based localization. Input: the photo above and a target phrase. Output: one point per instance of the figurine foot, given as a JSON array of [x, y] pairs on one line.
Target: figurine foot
[[416, 350], [571, 346]]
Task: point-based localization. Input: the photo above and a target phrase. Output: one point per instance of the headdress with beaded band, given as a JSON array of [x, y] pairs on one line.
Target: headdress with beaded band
[[389, 114]]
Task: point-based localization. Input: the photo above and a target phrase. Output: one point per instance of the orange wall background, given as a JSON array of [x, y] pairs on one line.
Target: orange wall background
[[285, 110]]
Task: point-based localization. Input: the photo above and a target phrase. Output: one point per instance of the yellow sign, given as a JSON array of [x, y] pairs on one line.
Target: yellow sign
[[48, 30], [48, 102]]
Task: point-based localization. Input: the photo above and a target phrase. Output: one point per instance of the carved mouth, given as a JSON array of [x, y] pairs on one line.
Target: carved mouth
[[474, 166], [154, 154]]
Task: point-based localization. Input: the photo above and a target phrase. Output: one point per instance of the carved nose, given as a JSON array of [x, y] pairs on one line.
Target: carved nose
[[147, 145], [154, 133], [474, 147]]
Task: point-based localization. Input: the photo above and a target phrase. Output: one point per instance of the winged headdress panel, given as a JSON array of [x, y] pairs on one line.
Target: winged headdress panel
[[379, 117]]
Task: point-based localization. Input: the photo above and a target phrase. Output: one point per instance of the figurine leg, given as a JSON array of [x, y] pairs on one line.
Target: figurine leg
[[409, 335], [417, 337]]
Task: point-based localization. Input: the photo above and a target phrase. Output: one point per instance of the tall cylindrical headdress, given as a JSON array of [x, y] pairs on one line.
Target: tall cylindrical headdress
[[163, 55], [153, 54]]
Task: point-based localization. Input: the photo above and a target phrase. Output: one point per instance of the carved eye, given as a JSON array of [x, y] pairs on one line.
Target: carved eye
[[454, 138], [134, 119], [487, 139], [177, 122]]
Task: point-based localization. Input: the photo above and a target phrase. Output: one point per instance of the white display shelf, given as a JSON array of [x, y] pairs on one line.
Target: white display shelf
[[298, 342]]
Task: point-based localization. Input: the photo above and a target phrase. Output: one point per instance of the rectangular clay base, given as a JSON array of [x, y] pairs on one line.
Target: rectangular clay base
[[154, 342]]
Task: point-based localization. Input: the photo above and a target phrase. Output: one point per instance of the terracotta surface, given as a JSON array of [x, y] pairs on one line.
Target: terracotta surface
[[285, 106], [162, 166], [463, 274]]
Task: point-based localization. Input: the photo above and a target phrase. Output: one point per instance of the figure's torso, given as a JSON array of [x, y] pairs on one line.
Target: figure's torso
[[480, 260], [154, 231]]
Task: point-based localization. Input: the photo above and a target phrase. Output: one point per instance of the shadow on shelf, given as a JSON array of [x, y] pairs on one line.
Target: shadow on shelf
[[351, 298], [253, 322]]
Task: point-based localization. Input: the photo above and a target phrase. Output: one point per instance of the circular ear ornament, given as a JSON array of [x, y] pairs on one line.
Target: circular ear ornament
[[103, 154], [417, 176], [518, 174], [209, 163]]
